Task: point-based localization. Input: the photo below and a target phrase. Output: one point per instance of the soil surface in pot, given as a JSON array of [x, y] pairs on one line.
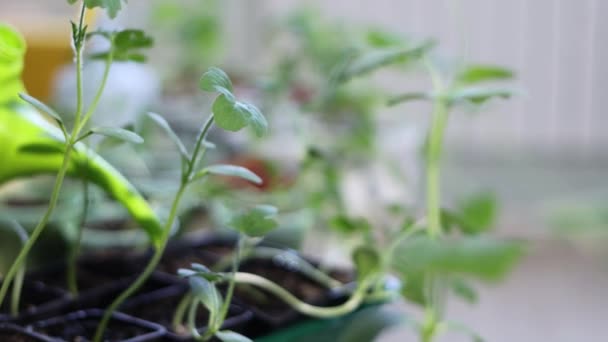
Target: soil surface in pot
[[81, 327], [33, 295], [15, 336], [14, 333], [92, 270]]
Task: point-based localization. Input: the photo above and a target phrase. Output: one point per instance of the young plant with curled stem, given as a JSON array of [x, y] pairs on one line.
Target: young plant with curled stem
[[41, 147], [229, 114], [252, 225]]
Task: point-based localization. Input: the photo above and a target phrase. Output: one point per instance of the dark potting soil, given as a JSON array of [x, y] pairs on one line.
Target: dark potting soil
[[81, 326], [13, 333], [33, 296], [16, 337], [92, 271]]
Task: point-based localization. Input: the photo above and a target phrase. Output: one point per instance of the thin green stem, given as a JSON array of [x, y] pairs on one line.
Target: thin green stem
[[72, 278], [350, 305], [97, 98], [141, 279], [78, 48], [39, 228], [235, 267], [180, 312], [433, 163], [18, 283], [60, 175], [197, 146], [16, 293], [429, 327], [192, 320]]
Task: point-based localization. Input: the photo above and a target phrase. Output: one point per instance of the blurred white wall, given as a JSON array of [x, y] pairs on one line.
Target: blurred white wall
[[556, 47]]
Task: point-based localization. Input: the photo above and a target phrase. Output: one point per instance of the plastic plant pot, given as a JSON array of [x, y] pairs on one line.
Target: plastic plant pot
[[81, 326]]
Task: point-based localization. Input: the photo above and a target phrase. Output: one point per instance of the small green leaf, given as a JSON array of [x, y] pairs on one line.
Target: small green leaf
[[132, 39], [233, 115], [480, 73], [186, 273], [42, 148], [111, 6], [71, 2], [162, 123], [383, 39], [215, 79], [479, 95], [231, 336], [349, 225], [464, 290], [126, 45], [41, 107], [477, 213], [378, 59], [231, 171], [207, 293], [227, 115], [256, 119], [482, 257], [367, 260], [118, 133], [205, 272], [254, 223], [408, 97]]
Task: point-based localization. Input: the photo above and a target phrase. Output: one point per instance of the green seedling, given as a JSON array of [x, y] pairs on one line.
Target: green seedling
[[229, 114], [32, 145]]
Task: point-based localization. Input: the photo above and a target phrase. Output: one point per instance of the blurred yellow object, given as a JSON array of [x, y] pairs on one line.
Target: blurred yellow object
[[47, 30]]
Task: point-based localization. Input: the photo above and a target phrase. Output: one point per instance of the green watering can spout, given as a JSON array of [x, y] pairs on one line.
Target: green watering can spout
[[30, 145]]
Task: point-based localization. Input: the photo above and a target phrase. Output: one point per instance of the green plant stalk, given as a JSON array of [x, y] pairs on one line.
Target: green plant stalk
[[350, 305], [192, 320], [64, 165], [180, 311], [439, 120], [39, 228], [226, 304], [18, 283], [16, 294], [433, 164], [75, 248], [429, 327], [141, 279]]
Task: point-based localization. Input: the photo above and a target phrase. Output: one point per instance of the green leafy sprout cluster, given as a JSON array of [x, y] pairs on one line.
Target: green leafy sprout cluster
[[430, 255]]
